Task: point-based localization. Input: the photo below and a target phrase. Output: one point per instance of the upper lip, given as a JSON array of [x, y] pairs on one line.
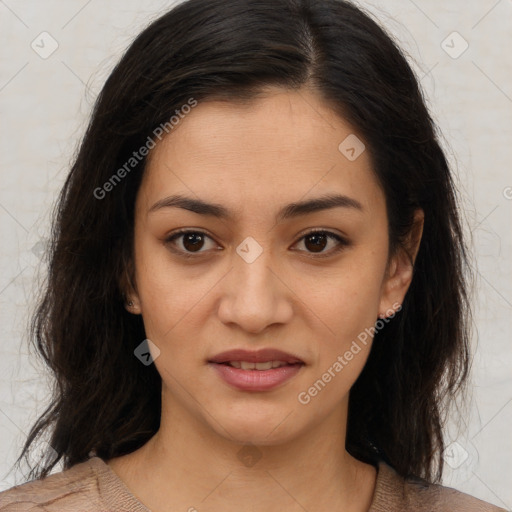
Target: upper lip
[[255, 356]]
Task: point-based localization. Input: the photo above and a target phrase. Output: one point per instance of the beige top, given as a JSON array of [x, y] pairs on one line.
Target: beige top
[[93, 486]]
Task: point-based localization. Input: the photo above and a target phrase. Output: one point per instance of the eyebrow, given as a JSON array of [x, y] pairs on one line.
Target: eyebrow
[[287, 212]]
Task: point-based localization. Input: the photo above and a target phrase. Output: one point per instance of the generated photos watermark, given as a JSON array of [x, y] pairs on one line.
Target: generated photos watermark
[[143, 151], [304, 397]]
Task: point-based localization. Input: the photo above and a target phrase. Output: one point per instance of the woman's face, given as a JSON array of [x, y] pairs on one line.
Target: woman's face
[[255, 277]]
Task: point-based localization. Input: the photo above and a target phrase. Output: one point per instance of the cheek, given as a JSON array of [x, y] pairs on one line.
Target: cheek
[[348, 310], [164, 295], [346, 297], [348, 307]]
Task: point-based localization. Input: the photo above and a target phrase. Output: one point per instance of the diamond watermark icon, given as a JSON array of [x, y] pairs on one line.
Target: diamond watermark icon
[[32, 252], [352, 147], [249, 455], [42, 453], [455, 455], [454, 45], [44, 45], [40, 248], [147, 352], [249, 250]]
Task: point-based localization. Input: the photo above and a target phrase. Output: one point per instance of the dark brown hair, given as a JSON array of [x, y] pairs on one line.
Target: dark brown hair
[[104, 399]]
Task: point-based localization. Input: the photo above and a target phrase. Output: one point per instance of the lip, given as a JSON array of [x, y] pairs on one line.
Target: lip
[[256, 356], [255, 380]]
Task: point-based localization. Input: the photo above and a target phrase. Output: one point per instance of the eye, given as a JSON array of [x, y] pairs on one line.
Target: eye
[[317, 240], [191, 242]]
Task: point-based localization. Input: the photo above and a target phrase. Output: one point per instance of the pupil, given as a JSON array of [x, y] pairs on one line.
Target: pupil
[[194, 241], [191, 238], [318, 246]]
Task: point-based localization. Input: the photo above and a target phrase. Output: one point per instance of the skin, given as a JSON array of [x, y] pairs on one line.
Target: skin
[[254, 159]]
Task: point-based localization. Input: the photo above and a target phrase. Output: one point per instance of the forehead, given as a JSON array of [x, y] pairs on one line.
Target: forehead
[[283, 145]]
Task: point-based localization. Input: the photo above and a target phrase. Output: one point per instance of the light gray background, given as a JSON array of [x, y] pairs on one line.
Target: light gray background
[[44, 109]]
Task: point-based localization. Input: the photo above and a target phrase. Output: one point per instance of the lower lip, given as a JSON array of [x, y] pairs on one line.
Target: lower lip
[[256, 380]]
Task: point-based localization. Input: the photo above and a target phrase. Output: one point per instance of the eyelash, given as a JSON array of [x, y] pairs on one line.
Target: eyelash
[[342, 242]]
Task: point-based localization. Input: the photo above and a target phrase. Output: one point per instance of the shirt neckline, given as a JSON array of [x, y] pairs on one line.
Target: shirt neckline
[[113, 489]]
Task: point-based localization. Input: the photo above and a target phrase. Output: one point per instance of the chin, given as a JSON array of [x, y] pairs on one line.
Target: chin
[[264, 428]]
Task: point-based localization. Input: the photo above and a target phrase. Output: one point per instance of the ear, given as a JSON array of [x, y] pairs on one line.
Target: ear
[[400, 269], [128, 289]]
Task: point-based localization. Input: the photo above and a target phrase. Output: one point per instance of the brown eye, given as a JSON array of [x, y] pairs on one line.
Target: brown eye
[[191, 242], [317, 241]]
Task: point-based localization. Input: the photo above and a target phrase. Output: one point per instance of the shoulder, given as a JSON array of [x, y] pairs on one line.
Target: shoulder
[[74, 489], [392, 492]]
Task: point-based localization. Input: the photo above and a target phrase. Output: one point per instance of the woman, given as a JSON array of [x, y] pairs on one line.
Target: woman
[[257, 292]]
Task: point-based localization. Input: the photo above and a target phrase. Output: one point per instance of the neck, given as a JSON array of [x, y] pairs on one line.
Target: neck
[[188, 466]]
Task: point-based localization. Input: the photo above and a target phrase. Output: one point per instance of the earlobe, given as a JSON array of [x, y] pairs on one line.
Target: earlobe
[[400, 269], [132, 306], [396, 283]]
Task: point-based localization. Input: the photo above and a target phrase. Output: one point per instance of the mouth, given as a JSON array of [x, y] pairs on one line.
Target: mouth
[[256, 357], [267, 365], [261, 370]]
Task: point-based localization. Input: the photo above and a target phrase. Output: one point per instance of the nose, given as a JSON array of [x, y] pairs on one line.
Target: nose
[[255, 294]]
